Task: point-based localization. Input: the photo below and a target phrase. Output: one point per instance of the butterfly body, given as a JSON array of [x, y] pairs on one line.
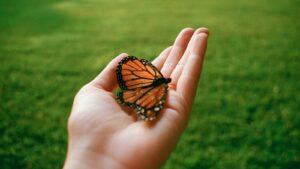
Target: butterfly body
[[142, 86], [161, 81]]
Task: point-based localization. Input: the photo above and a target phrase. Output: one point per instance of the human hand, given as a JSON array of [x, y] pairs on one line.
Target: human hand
[[103, 135]]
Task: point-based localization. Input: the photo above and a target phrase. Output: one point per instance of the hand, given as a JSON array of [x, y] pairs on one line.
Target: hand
[[103, 135]]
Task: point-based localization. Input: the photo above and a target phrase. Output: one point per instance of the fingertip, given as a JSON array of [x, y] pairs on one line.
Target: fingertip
[[160, 60], [118, 58], [200, 44], [202, 30], [106, 79], [166, 52], [184, 37], [122, 55], [168, 49], [201, 36], [187, 29]]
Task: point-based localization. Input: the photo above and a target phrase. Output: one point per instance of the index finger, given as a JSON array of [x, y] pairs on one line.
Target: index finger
[[188, 81]]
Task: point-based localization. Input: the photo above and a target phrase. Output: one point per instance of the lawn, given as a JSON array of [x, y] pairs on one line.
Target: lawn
[[246, 114]]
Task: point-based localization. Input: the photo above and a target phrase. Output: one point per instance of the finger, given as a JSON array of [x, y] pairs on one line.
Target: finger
[[160, 60], [192, 41], [187, 83], [177, 51], [178, 69], [107, 79]]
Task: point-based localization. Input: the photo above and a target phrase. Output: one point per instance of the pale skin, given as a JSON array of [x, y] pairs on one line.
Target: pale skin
[[105, 134]]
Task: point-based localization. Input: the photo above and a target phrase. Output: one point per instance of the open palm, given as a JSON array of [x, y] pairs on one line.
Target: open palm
[[104, 134]]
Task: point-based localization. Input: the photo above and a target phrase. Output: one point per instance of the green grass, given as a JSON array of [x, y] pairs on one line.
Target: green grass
[[246, 114]]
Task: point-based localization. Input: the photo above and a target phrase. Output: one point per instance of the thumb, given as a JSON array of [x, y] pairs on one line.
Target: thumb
[[107, 79]]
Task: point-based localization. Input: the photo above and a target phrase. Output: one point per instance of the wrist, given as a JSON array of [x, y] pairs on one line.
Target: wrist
[[82, 157]]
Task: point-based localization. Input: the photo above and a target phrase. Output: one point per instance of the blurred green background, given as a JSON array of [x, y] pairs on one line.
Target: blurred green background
[[246, 114]]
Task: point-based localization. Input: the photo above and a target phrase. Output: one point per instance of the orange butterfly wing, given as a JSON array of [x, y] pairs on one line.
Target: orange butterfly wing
[[147, 102], [140, 90], [134, 73]]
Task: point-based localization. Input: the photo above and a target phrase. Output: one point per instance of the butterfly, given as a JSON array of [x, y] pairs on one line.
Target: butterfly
[[143, 87]]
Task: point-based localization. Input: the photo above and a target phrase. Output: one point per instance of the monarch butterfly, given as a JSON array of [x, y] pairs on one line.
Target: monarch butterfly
[[143, 87]]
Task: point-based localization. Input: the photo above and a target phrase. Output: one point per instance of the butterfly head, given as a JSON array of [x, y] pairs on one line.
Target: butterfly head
[[168, 80]]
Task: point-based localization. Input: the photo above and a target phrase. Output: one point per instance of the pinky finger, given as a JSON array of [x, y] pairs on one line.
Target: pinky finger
[[160, 60]]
